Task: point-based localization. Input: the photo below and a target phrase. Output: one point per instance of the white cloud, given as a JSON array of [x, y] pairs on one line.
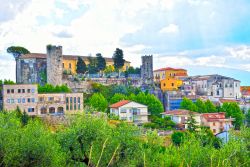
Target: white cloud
[[241, 52], [171, 28]]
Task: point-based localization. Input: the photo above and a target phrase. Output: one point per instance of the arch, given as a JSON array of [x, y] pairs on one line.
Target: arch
[[43, 110], [60, 110], [52, 110]]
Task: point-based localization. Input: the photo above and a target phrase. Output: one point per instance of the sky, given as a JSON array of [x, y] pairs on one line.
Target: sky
[[203, 36]]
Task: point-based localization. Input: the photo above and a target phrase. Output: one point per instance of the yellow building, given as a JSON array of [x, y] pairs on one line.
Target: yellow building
[[170, 84], [69, 63], [169, 78]]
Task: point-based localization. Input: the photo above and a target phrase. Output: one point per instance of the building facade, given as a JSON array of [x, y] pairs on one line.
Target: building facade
[[32, 68], [130, 111], [216, 86], [217, 122], [27, 98]]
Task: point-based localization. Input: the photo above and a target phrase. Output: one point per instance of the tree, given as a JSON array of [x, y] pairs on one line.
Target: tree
[[109, 69], [92, 66], [210, 107], [101, 62], [81, 67], [98, 102], [248, 118], [118, 59], [117, 97], [191, 122], [233, 110], [16, 51], [187, 104], [200, 106], [177, 138]]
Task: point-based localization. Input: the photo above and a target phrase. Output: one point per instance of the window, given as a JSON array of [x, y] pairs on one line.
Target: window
[[67, 100], [172, 84], [43, 110], [23, 100], [31, 110], [70, 65], [19, 100], [33, 100], [164, 84], [79, 103], [71, 99], [123, 110], [213, 123], [75, 106], [28, 100], [32, 90], [28, 90], [52, 110], [50, 98], [23, 90], [12, 91], [214, 130], [8, 100], [218, 92], [231, 85], [63, 65], [60, 110], [236, 84], [74, 99], [19, 91], [8, 91], [67, 106], [41, 99], [71, 107]]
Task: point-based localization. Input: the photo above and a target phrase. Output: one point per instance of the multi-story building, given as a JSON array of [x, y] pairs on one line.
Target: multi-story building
[[217, 122], [130, 111], [169, 79], [31, 68], [216, 86], [27, 98]]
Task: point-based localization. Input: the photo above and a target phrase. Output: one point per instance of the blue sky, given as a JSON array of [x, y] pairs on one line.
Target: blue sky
[[203, 36]]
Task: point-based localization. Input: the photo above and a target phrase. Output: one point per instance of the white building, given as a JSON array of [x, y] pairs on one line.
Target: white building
[[181, 116], [130, 111]]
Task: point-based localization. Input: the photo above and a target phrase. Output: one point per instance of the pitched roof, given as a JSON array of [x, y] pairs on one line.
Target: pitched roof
[[119, 104], [228, 101], [220, 116], [179, 112], [169, 68], [44, 56]]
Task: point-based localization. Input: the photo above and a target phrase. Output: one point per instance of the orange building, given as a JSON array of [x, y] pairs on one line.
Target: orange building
[[169, 78]]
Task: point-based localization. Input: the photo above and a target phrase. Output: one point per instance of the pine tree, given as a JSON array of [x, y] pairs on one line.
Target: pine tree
[[80, 66], [118, 59]]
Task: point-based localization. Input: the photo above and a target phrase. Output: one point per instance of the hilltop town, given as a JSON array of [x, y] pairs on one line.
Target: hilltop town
[[53, 86]]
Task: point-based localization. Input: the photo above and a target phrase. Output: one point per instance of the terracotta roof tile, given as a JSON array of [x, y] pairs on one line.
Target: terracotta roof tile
[[169, 68], [179, 112], [119, 104], [228, 101]]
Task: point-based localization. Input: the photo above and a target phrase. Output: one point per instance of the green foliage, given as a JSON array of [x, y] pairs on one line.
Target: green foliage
[[86, 140], [233, 110], [92, 66], [48, 88], [98, 102], [210, 107], [177, 137], [118, 59], [30, 145], [101, 62], [132, 70], [7, 82], [160, 123], [81, 67], [200, 106], [188, 105], [248, 118], [191, 122], [16, 51], [117, 97]]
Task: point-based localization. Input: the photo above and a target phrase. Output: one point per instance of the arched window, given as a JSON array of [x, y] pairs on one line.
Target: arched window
[[60, 110], [43, 110], [52, 110]]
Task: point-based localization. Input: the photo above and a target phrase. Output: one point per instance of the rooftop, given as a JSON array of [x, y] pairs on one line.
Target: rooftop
[[170, 68], [179, 112], [44, 56], [119, 104]]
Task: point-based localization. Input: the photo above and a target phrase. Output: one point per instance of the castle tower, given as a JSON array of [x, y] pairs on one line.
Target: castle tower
[[147, 76], [54, 65]]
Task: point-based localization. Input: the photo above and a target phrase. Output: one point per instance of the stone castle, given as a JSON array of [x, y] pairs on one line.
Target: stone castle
[[147, 76]]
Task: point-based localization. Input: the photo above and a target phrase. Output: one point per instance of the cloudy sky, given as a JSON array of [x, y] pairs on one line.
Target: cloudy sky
[[203, 36]]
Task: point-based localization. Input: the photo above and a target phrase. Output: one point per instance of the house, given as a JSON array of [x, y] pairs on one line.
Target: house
[[217, 122], [130, 111], [168, 78], [216, 86], [27, 98], [180, 117]]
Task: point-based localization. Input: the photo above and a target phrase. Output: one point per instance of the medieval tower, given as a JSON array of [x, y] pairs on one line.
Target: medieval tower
[[147, 76], [54, 65]]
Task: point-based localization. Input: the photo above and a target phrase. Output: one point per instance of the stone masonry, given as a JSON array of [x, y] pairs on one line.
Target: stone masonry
[[54, 65], [147, 70]]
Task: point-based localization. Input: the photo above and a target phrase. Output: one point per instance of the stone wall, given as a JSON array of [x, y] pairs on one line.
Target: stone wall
[[147, 70], [54, 65]]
